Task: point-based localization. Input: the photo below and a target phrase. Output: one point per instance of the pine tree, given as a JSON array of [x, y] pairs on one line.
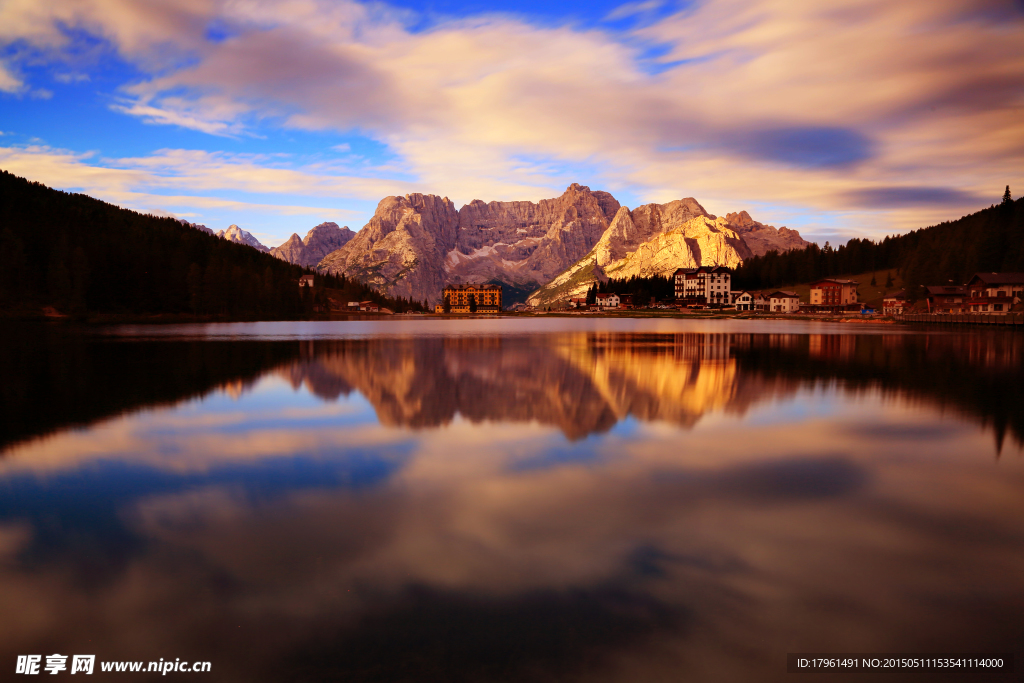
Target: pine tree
[[874, 283], [1006, 196], [472, 303], [447, 304], [194, 282], [888, 280]]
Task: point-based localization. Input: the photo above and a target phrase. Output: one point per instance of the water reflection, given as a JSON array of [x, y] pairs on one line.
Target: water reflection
[[578, 506]]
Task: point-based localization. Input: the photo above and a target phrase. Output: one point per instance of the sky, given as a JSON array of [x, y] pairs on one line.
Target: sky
[[841, 118]]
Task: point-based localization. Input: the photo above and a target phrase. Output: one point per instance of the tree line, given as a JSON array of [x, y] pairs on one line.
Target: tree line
[[81, 255], [645, 290], [991, 240]]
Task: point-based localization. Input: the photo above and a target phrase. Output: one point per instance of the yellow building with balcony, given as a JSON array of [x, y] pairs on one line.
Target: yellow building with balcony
[[486, 297]]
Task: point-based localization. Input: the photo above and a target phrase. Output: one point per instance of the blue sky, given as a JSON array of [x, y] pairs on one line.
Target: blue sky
[[846, 118]]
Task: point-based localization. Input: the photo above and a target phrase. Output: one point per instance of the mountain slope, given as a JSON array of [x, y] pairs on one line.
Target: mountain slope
[[990, 240], [236, 234], [78, 255], [402, 249], [319, 242], [415, 245], [654, 239]]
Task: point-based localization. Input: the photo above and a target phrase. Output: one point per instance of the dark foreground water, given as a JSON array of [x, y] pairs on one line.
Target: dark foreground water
[[541, 500]]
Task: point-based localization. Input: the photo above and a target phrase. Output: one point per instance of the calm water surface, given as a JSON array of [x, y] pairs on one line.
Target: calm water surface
[[509, 500]]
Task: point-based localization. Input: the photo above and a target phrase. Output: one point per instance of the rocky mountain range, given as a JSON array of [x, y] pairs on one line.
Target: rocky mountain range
[[318, 243], [416, 244], [236, 234], [195, 226]]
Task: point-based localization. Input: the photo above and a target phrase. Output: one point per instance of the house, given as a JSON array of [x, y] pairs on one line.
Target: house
[[833, 292], [369, 307], [760, 302], [743, 300], [704, 285], [994, 293], [484, 298], [578, 302], [625, 301], [947, 299], [893, 304], [306, 281], [608, 300], [783, 302], [353, 305]]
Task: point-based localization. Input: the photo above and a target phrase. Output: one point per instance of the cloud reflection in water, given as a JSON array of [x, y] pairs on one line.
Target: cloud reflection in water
[[465, 509]]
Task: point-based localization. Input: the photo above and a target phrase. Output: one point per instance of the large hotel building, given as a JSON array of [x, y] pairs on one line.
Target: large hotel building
[[487, 297]]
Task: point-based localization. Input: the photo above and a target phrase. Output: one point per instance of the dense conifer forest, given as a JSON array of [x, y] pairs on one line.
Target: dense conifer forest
[[643, 289], [991, 240], [83, 256]]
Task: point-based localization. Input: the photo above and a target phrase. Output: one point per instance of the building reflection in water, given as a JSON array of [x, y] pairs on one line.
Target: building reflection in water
[[599, 507]]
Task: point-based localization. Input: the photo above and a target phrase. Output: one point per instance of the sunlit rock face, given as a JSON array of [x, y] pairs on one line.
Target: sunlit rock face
[[761, 238], [319, 242], [417, 244], [561, 245], [402, 249], [654, 239], [236, 234], [524, 243]]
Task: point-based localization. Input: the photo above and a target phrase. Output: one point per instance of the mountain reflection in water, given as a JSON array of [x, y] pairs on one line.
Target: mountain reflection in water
[[591, 506]]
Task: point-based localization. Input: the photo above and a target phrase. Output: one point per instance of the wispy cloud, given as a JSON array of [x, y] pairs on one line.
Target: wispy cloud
[[632, 9], [775, 102], [9, 82], [149, 183]]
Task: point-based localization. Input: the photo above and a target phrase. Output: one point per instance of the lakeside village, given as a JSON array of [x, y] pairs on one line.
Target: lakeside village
[[710, 289]]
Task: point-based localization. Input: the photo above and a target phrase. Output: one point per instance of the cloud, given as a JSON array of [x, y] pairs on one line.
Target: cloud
[[72, 78], [784, 103], [9, 82], [631, 9], [148, 183], [807, 147], [911, 196]]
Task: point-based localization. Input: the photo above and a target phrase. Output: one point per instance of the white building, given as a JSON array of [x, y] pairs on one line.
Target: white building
[[608, 300], [704, 285], [784, 302], [744, 301]]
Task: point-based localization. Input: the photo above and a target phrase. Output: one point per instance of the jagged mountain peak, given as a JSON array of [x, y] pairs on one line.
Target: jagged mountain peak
[[416, 244], [320, 241], [233, 233]]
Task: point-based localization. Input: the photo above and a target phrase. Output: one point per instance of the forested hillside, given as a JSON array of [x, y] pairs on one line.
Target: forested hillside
[[81, 255], [990, 240]]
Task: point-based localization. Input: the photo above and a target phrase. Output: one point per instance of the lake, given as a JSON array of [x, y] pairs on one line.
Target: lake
[[536, 499]]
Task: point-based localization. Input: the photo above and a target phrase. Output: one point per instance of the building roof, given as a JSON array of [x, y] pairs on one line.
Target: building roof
[[471, 286], [946, 289], [834, 280], [902, 294], [702, 269], [998, 278], [784, 295]]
